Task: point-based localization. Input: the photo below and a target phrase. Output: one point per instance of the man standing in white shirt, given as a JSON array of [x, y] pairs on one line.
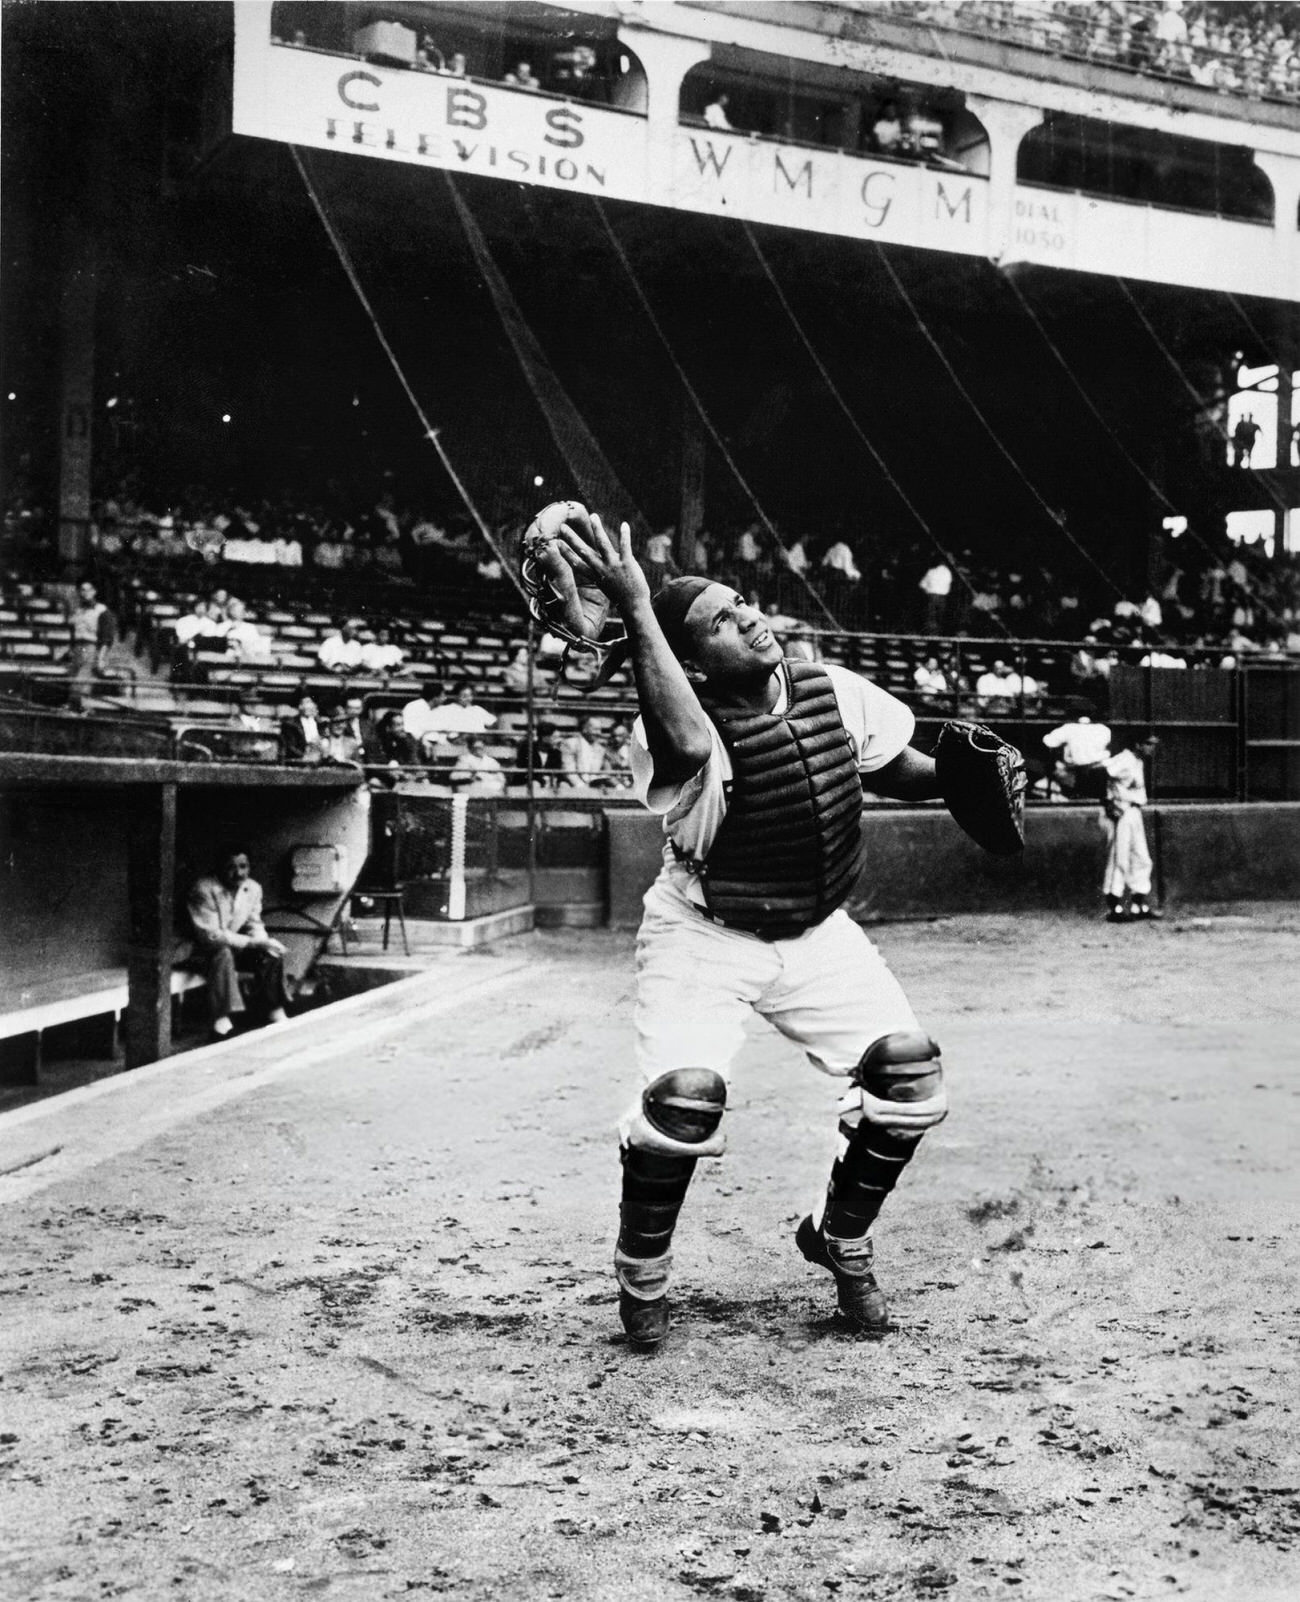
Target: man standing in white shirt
[[762, 848], [936, 587], [1083, 747]]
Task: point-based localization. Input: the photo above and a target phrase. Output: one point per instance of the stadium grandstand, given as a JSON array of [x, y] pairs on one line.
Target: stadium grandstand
[[961, 335]]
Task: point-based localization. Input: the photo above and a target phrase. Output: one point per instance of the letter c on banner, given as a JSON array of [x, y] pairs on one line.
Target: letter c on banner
[[346, 82], [877, 210]]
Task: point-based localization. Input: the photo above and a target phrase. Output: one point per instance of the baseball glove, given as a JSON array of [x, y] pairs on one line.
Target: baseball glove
[[557, 596], [982, 779]]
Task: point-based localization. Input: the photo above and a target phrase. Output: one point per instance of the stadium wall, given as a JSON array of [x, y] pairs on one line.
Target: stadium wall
[[920, 864]]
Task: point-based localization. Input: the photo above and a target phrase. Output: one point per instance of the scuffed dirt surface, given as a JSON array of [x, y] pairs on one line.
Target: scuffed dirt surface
[[352, 1335]]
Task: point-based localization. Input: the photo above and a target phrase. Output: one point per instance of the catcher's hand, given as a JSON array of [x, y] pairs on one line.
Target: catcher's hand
[[982, 779], [562, 593]]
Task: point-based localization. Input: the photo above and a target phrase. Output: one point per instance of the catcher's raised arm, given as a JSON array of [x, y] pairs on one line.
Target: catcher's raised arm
[[676, 729]]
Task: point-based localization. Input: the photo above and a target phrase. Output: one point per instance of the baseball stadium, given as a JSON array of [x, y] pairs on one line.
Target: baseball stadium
[[649, 676]]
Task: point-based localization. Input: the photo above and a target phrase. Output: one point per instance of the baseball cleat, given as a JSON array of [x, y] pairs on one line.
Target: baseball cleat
[[646, 1323], [861, 1300]]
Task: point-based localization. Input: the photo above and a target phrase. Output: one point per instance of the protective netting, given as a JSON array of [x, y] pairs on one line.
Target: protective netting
[[596, 482]]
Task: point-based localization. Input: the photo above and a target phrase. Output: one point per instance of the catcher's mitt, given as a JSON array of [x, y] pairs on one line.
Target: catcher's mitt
[[557, 596], [983, 783]]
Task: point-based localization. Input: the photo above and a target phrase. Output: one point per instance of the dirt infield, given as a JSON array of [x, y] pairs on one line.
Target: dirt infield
[[351, 1334]]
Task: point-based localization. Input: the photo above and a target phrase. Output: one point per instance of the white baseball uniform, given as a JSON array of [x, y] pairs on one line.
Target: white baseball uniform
[[827, 989]]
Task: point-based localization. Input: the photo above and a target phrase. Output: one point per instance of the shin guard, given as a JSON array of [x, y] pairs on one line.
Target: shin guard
[[680, 1115], [900, 1081]]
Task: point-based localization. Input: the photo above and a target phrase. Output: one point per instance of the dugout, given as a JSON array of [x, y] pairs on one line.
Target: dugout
[[96, 855]]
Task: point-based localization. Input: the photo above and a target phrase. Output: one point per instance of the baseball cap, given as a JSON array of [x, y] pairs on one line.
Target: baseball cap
[[671, 604]]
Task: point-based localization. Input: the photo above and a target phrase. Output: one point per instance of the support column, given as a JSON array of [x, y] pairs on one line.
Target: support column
[[691, 515], [1282, 474], [1006, 123], [1283, 172], [666, 60], [151, 883], [77, 392]]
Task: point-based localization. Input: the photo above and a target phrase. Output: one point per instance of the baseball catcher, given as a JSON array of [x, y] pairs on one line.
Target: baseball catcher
[[756, 765]]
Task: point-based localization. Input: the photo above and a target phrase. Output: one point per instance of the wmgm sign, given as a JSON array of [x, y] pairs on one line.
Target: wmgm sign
[[828, 191]]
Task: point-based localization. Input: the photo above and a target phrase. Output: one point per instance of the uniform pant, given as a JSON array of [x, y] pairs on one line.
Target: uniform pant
[[1128, 862], [828, 990], [222, 965]]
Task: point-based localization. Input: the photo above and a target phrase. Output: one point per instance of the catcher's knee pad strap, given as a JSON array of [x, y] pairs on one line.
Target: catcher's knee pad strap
[[900, 1083], [678, 1123], [681, 1114], [646, 1278]]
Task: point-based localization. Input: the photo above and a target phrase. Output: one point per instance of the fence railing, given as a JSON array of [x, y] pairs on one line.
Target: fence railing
[[1228, 729]]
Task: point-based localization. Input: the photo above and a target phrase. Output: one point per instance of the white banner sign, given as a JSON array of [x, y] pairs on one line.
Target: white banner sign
[[346, 103], [332, 102], [329, 102]]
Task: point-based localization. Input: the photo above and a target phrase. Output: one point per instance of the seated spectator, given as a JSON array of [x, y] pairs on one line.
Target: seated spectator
[[241, 718], [380, 654], [390, 753], [301, 737], [340, 651], [715, 113], [244, 640], [582, 757], [541, 757], [347, 740], [930, 679], [225, 911], [419, 716], [477, 771], [1000, 686], [197, 624], [428, 58], [1081, 748], [523, 76], [887, 130], [94, 631], [464, 715], [456, 67], [518, 671], [618, 757]]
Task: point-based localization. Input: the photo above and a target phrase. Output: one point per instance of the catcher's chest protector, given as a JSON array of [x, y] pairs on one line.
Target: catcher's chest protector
[[790, 847]]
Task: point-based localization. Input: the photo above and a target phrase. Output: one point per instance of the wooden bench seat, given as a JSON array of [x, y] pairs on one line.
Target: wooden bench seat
[[30, 1010], [35, 1008]]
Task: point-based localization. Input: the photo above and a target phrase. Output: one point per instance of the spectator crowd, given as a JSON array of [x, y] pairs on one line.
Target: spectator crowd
[[1232, 48]]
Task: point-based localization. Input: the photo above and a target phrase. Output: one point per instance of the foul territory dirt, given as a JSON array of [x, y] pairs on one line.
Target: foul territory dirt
[[351, 1333]]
